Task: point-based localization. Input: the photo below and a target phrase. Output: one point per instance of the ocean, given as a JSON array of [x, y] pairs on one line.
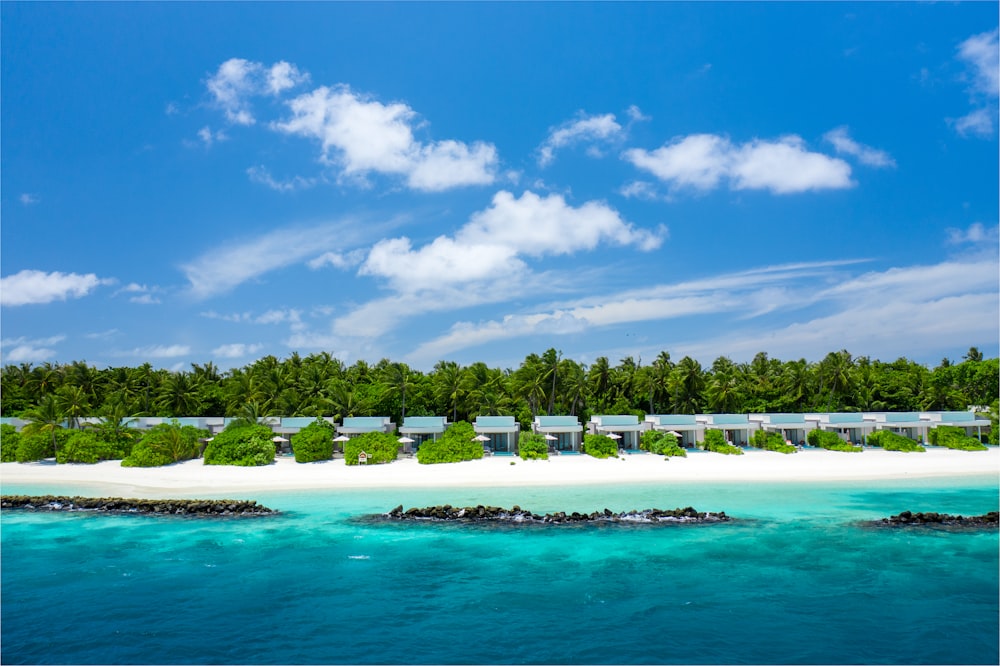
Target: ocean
[[796, 580]]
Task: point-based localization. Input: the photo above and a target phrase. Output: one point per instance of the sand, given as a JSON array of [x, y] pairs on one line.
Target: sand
[[193, 477]]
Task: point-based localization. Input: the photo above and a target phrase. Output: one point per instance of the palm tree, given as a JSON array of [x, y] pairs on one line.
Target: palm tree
[[398, 379], [46, 416], [835, 372], [599, 378], [178, 395], [574, 383], [687, 381], [448, 389], [73, 403], [723, 391]]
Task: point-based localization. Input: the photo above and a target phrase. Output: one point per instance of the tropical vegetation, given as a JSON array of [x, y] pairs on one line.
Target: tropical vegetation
[[891, 441], [532, 446], [954, 438], [456, 444], [164, 444], [661, 443], [314, 442], [243, 443], [716, 441], [772, 441], [600, 446], [379, 447], [824, 439]]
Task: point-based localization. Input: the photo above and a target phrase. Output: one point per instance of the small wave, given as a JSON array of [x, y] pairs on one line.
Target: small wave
[[359, 557]]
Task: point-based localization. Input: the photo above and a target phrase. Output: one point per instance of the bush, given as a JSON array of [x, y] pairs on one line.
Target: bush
[[830, 441], [533, 446], [661, 443], [165, 444], [89, 447], [954, 437], [314, 442], [243, 444], [600, 446], [457, 443], [891, 441], [716, 441], [9, 440], [381, 448], [39, 445], [772, 441]]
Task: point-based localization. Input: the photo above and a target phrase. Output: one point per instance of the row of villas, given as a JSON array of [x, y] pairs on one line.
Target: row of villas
[[499, 434]]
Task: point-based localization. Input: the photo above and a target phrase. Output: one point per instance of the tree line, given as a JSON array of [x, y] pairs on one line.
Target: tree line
[[322, 385]]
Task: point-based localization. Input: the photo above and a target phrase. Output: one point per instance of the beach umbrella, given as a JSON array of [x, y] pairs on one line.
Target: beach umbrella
[[481, 438], [614, 435], [278, 438], [551, 437], [674, 433], [405, 440], [341, 438]]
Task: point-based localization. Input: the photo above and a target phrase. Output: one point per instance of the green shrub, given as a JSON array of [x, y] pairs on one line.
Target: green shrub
[[891, 441], [38, 446], [10, 438], [532, 446], [84, 446], [772, 441], [600, 446], [716, 441], [954, 437], [164, 444], [381, 448], [314, 442], [457, 443], [830, 441], [243, 444], [661, 443]]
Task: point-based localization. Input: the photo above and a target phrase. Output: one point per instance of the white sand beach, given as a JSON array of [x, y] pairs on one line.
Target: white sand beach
[[193, 476]]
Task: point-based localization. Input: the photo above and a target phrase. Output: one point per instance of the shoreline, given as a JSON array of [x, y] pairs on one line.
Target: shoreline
[[809, 465]]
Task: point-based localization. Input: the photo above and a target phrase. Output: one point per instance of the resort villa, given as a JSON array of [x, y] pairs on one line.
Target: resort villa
[[624, 428], [418, 429], [497, 433], [564, 434]]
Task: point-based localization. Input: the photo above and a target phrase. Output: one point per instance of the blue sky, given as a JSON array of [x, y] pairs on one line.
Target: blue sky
[[194, 182]]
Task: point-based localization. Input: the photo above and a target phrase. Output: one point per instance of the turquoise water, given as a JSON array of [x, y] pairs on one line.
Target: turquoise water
[[799, 581]]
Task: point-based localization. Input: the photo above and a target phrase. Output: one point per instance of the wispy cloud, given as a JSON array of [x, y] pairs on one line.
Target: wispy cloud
[[236, 350], [591, 130], [981, 55], [977, 233], [219, 271], [844, 144], [156, 351], [29, 287], [25, 350], [28, 199], [237, 80], [260, 174], [703, 161]]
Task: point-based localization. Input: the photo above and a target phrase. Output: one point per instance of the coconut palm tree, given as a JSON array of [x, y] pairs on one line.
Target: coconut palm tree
[[448, 386], [687, 381], [46, 416], [73, 403]]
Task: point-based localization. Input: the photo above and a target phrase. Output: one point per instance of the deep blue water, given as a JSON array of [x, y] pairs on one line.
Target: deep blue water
[[798, 581]]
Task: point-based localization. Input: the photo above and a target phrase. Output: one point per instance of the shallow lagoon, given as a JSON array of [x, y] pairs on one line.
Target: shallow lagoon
[[798, 581]]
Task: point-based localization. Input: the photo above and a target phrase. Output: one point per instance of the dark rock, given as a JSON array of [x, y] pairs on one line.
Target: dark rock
[[518, 515], [120, 505]]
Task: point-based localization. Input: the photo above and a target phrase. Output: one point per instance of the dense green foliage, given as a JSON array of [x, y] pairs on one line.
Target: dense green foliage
[[600, 446], [891, 441], [661, 443], [954, 437], [716, 441], [824, 439], [87, 446], [320, 384], [38, 445], [381, 448], [772, 441], [532, 446], [242, 444], [165, 444], [314, 442], [9, 440], [456, 444]]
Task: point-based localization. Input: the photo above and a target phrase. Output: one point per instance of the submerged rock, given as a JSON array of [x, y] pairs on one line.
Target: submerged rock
[[173, 507], [480, 513]]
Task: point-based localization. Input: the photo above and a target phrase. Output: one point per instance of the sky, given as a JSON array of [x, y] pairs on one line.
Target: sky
[[193, 182]]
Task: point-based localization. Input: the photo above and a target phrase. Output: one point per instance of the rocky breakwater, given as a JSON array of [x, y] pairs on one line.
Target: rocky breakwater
[[515, 514], [171, 507], [931, 519]]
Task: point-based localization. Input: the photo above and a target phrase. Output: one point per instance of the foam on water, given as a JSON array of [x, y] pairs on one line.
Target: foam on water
[[799, 582]]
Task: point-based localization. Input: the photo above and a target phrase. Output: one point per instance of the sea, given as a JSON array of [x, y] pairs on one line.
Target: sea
[[798, 578]]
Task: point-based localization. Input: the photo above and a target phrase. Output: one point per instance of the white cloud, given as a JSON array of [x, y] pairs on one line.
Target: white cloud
[[236, 350], [494, 240], [702, 161], [362, 136], [843, 143], [585, 129], [156, 351], [981, 54], [220, 270], [237, 80], [25, 350], [28, 199], [31, 287], [208, 137], [639, 189], [976, 233], [260, 174], [145, 299], [338, 259]]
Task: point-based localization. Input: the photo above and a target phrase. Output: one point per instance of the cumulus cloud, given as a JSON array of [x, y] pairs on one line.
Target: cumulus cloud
[[584, 129], [24, 350], [844, 144], [208, 137], [236, 350], [639, 189], [342, 260], [361, 135], [975, 234], [34, 287], [28, 199], [495, 240], [981, 55], [702, 161], [237, 80]]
